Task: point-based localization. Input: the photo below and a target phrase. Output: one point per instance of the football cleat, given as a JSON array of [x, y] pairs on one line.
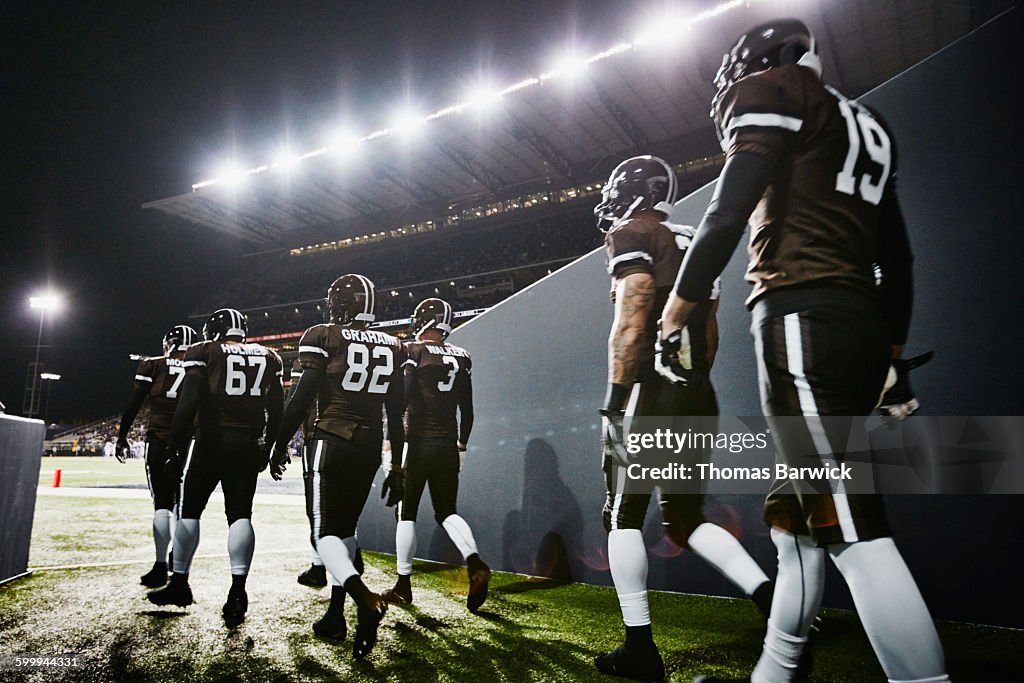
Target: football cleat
[[366, 628], [331, 626], [636, 663], [176, 592], [401, 594], [315, 576], [155, 577], [479, 577], [236, 606]]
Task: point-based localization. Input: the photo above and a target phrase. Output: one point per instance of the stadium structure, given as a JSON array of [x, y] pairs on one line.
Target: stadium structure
[[483, 197]]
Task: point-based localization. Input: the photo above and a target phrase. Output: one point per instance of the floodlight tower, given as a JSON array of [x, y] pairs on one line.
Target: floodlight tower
[[33, 384]]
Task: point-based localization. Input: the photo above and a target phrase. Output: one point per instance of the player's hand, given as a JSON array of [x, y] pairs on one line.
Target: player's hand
[[898, 401], [462, 453], [265, 449], [613, 437], [394, 488], [673, 359], [175, 462], [279, 462], [122, 451]]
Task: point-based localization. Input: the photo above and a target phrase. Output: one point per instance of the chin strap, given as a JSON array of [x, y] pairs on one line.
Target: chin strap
[[812, 61]]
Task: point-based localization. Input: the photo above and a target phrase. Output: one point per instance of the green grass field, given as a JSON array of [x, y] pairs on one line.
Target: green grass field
[[528, 630]]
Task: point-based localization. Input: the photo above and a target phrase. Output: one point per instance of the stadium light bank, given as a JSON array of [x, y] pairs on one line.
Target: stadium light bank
[[671, 26]]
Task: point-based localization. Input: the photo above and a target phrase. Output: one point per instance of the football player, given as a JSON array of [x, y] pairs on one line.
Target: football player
[[814, 172], [438, 386], [159, 379], [643, 252], [315, 576], [351, 372], [235, 388]]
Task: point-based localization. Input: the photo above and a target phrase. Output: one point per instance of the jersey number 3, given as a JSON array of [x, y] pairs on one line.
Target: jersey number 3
[[862, 126]]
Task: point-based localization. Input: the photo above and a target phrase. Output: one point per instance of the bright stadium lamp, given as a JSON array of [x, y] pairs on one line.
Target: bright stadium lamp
[[570, 67], [43, 302], [483, 98], [663, 30], [233, 176], [287, 161], [343, 144], [407, 123]]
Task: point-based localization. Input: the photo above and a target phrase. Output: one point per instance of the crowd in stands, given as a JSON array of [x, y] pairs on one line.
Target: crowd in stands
[[93, 439]]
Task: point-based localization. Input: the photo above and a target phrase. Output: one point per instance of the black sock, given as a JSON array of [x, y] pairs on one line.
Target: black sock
[[357, 589], [639, 636], [238, 581], [160, 565], [177, 577], [337, 604], [473, 562]]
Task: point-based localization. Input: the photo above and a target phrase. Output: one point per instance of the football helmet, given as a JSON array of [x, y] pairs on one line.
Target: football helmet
[[642, 182], [226, 322], [431, 314], [775, 43], [179, 337], [350, 299]]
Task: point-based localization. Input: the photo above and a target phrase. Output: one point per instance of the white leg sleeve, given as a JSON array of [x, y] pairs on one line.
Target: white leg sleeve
[[186, 540], [241, 544], [461, 535], [891, 609], [627, 560], [337, 557], [163, 521], [722, 551], [405, 546]]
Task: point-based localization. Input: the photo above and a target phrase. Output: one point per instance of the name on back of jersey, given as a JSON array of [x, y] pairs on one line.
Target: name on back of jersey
[[244, 349], [446, 350], [367, 336]]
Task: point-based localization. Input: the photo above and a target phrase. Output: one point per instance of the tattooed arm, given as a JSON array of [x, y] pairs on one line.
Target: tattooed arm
[[634, 296]]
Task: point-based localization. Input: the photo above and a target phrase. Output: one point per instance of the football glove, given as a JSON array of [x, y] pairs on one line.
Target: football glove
[[122, 451], [673, 359], [264, 449], [394, 488], [613, 437], [462, 454], [898, 400], [279, 461]]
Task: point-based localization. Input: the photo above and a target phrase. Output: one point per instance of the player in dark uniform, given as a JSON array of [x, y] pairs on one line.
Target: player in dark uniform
[[438, 386], [644, 251], [159, 379], [314, 576], [351, 372], [814, 173], [235, 388]]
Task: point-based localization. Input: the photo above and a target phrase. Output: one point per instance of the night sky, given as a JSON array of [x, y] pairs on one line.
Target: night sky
[[110, 105]]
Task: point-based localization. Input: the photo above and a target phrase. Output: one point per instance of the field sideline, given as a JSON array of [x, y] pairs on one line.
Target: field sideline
[[528, 630]]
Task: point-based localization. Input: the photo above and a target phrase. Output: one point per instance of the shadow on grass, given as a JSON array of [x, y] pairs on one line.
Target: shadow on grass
[[526, 585]]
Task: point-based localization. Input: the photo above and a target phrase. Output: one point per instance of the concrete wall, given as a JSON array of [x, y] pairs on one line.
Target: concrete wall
[[532, 487]]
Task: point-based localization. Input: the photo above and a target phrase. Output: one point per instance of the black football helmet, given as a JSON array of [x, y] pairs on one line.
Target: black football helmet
[[179, 337], [432, 314], [643, 182], [226, 322], [776, 43], [350, 299]]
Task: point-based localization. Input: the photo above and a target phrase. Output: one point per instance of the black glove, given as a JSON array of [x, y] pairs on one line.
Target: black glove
[[122, 451], [394, 488], [613, 437], [898, 400], [279, 462], [673, 359]]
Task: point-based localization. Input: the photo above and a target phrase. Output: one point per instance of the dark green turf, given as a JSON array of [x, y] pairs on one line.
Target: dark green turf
[[527, 630]]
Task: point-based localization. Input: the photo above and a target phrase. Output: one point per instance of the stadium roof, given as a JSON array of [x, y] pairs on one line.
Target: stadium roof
[[641, 97]]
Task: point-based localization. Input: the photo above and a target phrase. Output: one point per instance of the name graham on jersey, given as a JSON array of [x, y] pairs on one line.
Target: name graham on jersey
[[244, 349], [370, 336]]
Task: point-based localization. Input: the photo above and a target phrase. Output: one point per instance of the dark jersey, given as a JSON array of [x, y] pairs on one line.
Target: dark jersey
[[441, 381], [358, 368], [646, 245], [308, 424], [833, 162], [237, 377], [161, 377]]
